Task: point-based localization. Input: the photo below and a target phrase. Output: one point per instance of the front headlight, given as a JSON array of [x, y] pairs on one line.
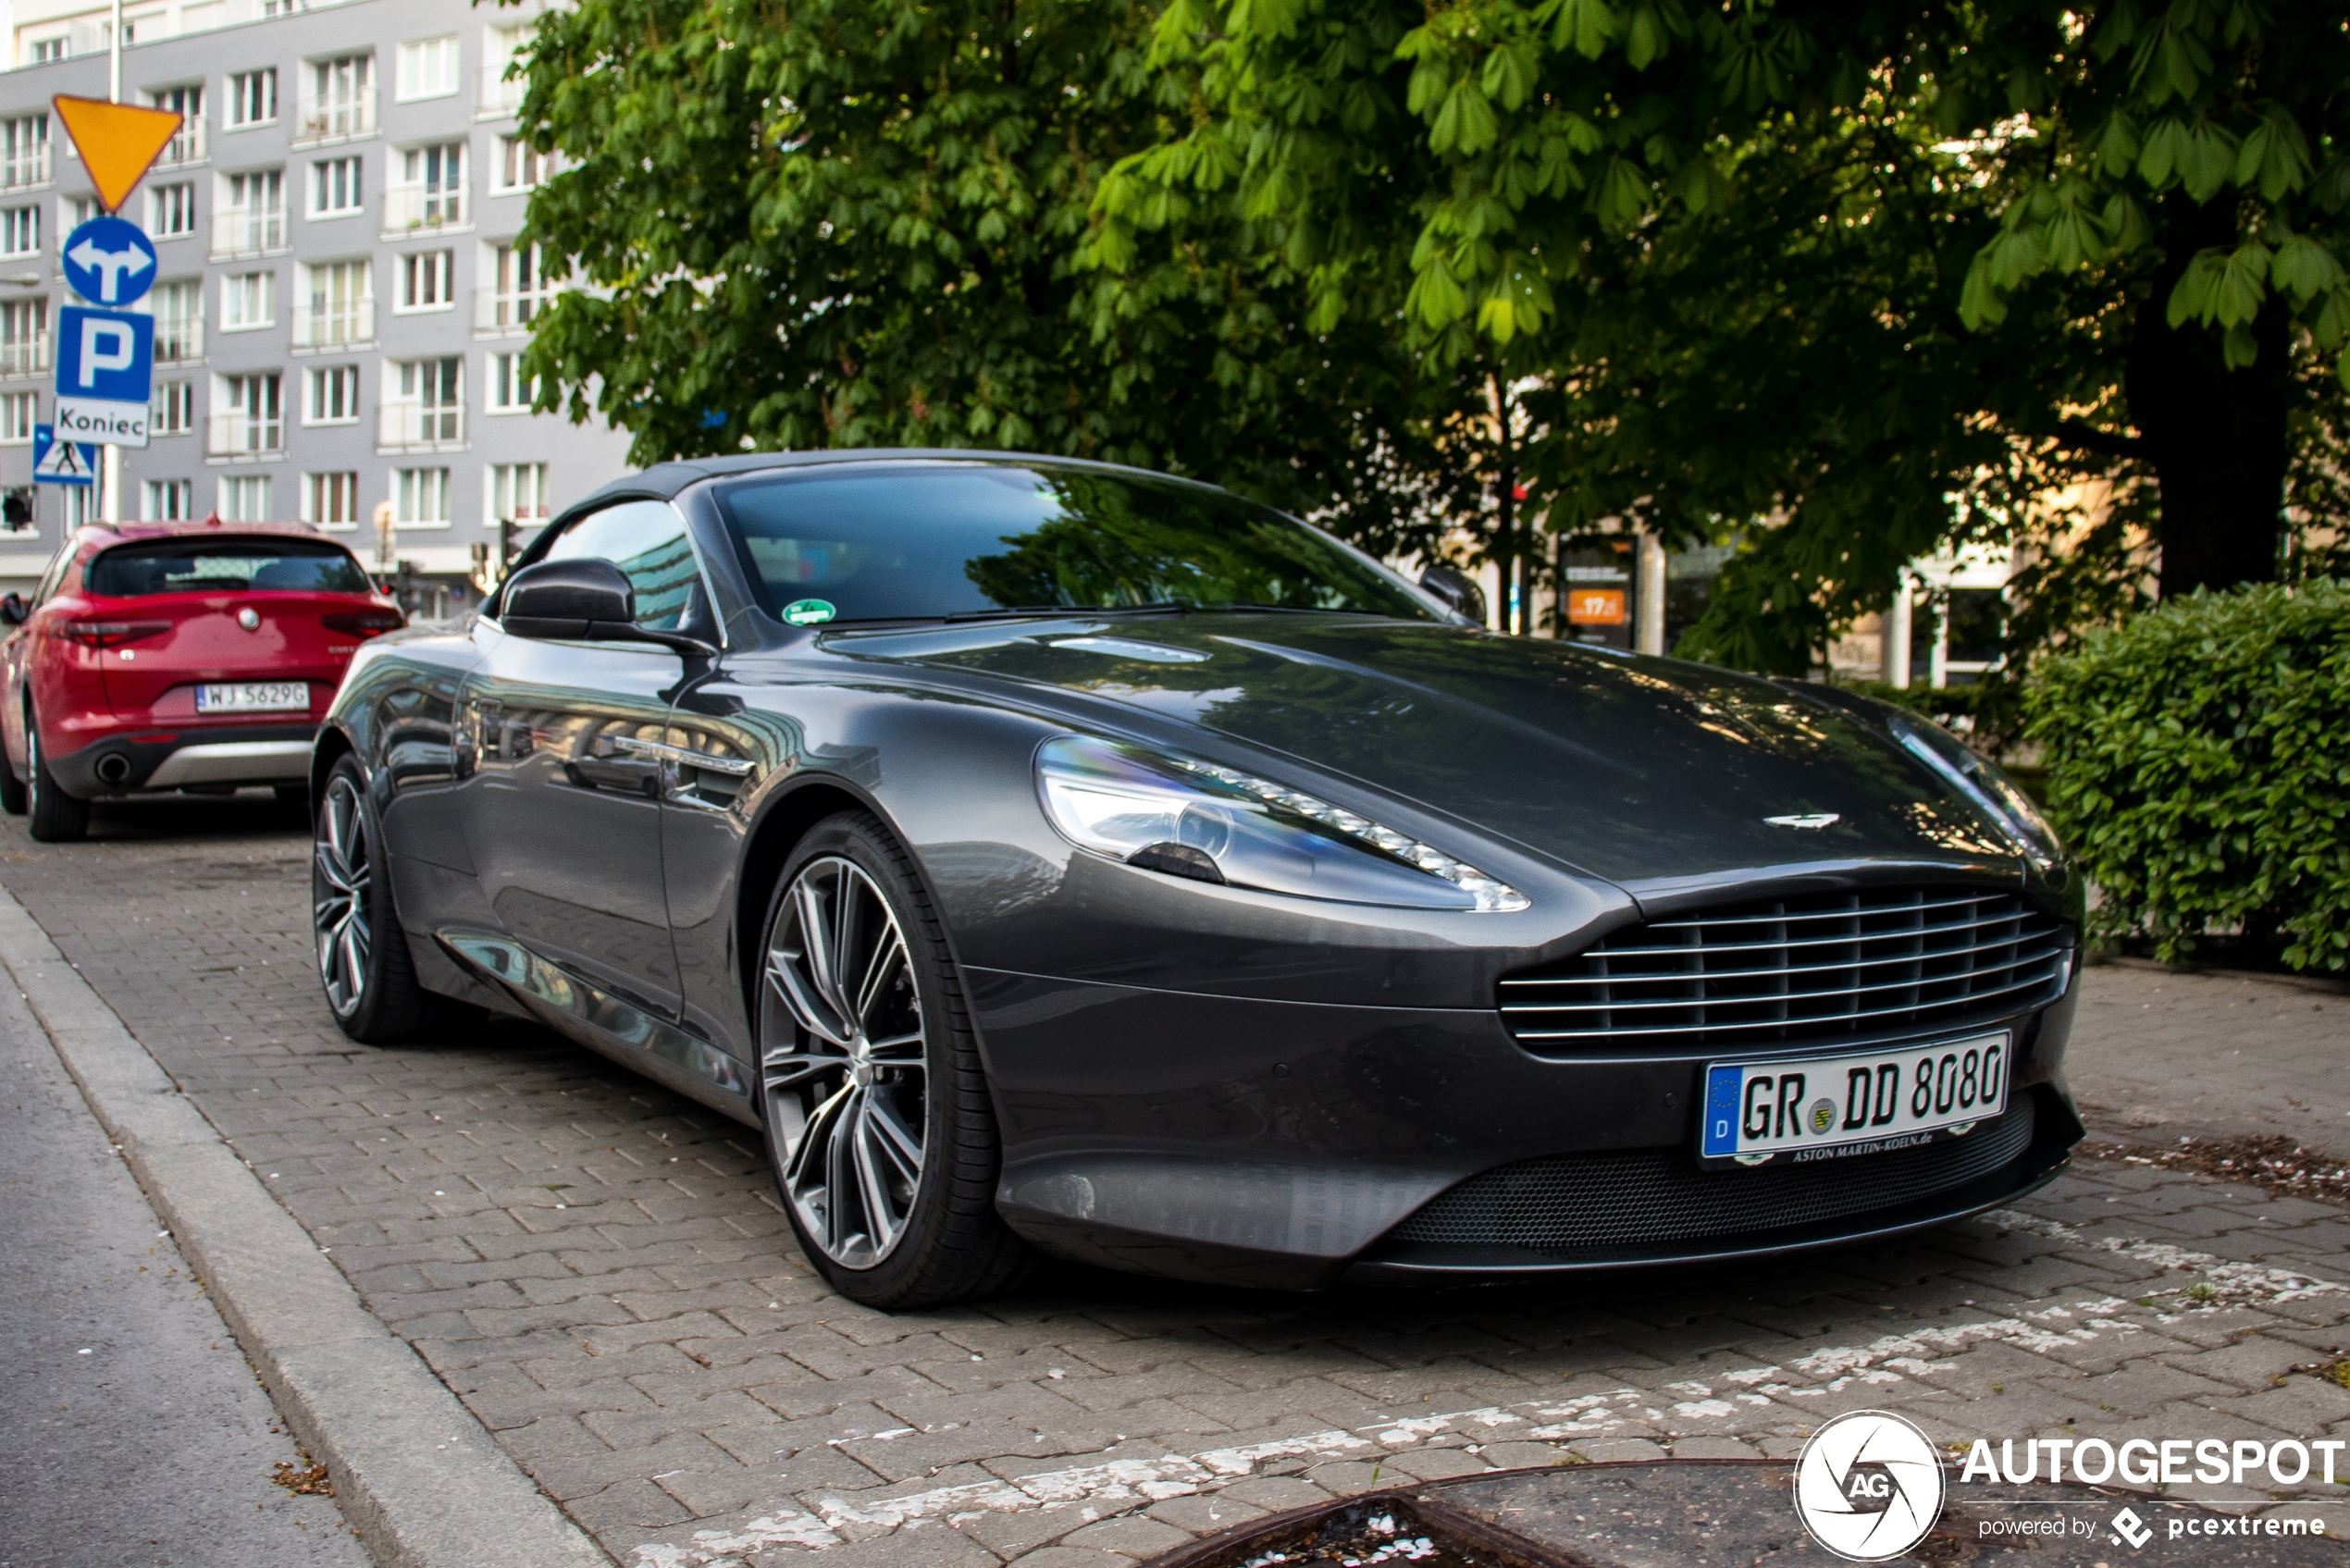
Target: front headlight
[[1196, 819], [1973, 775]]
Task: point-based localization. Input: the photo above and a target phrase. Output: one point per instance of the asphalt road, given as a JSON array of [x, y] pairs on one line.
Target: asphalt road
[[135, 1432]]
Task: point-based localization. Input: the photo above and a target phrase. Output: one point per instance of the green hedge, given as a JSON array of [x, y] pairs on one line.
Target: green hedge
[[2198, 764]]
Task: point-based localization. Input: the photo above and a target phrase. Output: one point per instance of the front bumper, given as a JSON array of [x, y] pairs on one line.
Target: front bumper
[[226, 755], [1282, 1144]]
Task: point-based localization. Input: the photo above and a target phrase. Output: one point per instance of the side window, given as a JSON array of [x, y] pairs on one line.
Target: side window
[[646, 540], [54, 575]]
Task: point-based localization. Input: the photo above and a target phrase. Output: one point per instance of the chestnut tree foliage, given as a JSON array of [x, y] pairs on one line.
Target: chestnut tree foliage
[[1876, 272], [813, 223]]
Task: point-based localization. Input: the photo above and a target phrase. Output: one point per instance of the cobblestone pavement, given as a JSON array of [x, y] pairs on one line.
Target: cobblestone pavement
[[600, 1269], [2157, 1054]]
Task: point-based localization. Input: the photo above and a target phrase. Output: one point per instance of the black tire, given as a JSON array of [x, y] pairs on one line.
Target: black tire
[[12, 790], [364, 966], [52, 816], [849, 1095]]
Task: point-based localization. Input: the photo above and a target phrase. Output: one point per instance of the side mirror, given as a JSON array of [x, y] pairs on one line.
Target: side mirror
[[570, 600], [581, 602], [12, 611], [1458, 590]]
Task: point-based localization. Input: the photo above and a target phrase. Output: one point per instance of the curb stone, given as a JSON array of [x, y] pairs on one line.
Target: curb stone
[[424, 1484]]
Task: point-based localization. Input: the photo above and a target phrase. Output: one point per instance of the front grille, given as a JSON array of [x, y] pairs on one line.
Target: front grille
[[1647, 1201], [1812, 967]]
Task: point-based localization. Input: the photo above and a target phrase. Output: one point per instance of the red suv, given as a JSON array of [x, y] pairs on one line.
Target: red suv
[[162, 656]]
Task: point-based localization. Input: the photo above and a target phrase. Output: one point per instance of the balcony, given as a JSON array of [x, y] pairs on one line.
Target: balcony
[[189, 147], [504, 313], [335, 325], [238, 434], [248, 231], [415, 209], [178, 343], [33, 168], [415, 427], [338, 118], [26, 356], [500, 98]]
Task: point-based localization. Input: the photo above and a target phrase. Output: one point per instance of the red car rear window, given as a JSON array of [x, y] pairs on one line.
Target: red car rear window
[[224, 565]]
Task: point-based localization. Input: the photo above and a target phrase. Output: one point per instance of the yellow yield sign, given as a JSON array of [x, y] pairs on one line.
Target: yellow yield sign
[[117, 141]]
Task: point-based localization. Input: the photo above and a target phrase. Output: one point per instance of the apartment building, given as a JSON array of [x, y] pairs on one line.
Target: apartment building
[[342, 301]]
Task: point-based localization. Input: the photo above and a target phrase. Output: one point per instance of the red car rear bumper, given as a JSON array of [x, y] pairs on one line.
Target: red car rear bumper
[[224, 755]]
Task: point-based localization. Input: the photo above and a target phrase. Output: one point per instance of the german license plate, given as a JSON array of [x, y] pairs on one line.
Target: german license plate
[[253, 697], [1830, 1107]]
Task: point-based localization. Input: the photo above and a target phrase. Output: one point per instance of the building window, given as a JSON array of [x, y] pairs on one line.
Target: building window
[[519, 290], [426, 405], [179, 309], [431, 193], [19, 231], [47, 49], [169, 500], [248, 299], [420, 495], [81, 505], [501, 47], [19, 413], [188, 102], [425, 278], [24, 151], [342, 97], [171, 210], [517, 492], [341, 306], [253, 97], [247, 416], [24, 336], [245, 498], [511, 391], [520, 167], [334, 395], [331, 500], [252, 214], [174, 411], [334, 186], [428, 67]]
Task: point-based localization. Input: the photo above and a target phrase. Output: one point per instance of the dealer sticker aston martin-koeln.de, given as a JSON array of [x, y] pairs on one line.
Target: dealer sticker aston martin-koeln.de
[[1832, 1107]]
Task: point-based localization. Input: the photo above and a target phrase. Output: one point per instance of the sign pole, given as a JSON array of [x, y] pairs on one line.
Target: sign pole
[[110, 487]]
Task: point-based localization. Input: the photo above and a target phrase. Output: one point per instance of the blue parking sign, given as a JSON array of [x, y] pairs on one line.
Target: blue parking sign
[[108, 355]]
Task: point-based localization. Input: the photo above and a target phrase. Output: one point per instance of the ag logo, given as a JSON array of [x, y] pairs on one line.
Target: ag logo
[[1869, 1485]]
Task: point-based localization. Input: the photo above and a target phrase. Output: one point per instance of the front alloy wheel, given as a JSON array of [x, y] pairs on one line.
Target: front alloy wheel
[[341, 870], [878, 1121]]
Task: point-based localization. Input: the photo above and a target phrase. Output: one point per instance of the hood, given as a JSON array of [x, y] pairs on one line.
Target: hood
[[1640, 770]]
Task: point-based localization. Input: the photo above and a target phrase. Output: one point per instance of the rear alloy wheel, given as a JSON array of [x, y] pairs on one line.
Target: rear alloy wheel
[[363, 953], [53, 816], [879, 1127]]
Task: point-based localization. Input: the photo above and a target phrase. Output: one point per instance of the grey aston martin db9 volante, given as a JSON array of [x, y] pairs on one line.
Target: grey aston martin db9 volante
[[1048, 856]]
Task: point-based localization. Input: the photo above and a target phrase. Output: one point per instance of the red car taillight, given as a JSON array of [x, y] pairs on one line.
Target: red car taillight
[[107, 633], [369, 624]]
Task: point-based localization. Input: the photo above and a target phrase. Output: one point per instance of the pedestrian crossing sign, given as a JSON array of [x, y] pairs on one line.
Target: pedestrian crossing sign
[[62, 462]]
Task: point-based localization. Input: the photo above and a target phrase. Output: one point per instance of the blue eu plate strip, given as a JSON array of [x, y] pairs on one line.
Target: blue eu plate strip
[[1721, 1134]]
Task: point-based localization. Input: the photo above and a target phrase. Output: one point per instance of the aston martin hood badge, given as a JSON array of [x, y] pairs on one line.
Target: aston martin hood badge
[[1805, 820]]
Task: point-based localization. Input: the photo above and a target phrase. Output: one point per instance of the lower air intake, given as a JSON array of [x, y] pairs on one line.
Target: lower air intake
[[1649, 1200]]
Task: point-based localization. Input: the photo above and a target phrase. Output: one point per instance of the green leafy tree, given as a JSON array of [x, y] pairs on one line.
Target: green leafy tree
[[1880, 276], [831, 225]]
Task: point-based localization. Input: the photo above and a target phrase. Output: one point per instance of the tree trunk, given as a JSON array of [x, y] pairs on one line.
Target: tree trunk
[[2216, 436]]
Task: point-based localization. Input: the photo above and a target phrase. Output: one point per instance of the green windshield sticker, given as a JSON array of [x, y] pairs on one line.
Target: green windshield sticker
[[809, 611]]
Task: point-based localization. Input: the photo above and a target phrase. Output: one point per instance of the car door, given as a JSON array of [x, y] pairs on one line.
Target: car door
[[562, 804]]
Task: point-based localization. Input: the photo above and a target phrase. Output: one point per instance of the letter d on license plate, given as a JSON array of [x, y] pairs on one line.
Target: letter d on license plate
[[1826, 1107]]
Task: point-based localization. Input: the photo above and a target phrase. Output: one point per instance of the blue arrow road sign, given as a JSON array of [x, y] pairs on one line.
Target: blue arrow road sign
[[109, 262], [62, 462], [105, 354]]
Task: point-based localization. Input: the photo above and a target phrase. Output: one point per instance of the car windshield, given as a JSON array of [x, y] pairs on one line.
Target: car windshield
[[212, 565], [936, 540]]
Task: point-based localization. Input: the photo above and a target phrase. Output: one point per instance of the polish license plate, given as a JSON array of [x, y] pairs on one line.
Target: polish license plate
[[253, 697], [1831, 1107]]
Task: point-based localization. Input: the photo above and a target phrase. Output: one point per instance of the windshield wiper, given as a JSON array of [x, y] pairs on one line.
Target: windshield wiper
[[1162, 607]]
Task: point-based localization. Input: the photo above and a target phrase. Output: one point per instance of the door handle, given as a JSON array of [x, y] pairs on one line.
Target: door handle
[[686, 757]]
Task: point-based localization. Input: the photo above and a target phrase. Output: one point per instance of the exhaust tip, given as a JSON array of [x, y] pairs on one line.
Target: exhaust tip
[[114, 768]]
